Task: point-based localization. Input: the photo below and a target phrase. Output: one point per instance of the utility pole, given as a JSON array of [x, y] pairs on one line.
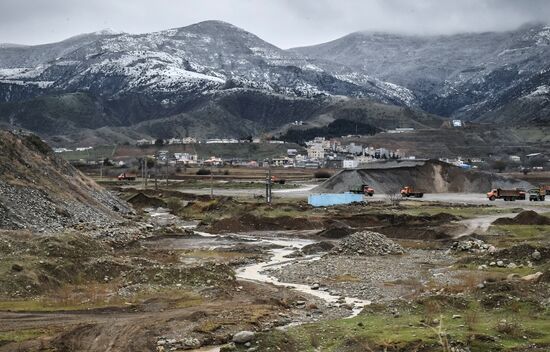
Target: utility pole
[[268, 196], [166, 174], [141, 164], [211, 182], [146, 171]]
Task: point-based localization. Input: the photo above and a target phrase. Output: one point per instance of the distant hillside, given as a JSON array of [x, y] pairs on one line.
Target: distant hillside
[[212, 79], [501, 76], [42, 192]]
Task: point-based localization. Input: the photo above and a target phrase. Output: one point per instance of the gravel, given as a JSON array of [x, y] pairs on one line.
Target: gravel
[[376, 278], [367, 243]]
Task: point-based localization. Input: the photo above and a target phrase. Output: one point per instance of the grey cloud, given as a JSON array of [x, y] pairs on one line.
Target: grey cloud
[[285, 23]]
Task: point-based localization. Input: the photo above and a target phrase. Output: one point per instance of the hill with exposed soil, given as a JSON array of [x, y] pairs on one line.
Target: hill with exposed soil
[[40, 191], [427, 176]]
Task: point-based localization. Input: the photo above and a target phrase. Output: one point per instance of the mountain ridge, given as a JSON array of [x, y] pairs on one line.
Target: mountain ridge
[[189, 74]]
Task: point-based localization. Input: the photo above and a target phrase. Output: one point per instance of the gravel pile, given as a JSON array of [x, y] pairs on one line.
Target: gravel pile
[[367, 243]]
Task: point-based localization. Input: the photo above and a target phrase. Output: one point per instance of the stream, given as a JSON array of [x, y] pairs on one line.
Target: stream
[[257, 272]]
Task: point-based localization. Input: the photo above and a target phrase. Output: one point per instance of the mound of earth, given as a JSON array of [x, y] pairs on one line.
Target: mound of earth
[[336, 230], [367, 243], [249, 222], [42, 192], [140, 200], [527, 217], [428, 176], [318, 247], [524, 252]]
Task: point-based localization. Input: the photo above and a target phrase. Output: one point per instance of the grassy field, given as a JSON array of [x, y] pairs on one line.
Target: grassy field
[[97, 153], [249, 151], [510, 235], [431, 323]]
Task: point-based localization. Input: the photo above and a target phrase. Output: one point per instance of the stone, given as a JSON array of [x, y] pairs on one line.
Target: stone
[[457, 316], [512, 277], [315, 286], [16, 267], [500, 264], [536, 255], [243, 337], [511, 266], [229, 347], [532, 277]]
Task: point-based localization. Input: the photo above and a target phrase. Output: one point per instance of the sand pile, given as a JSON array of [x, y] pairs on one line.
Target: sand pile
[[428, 176]]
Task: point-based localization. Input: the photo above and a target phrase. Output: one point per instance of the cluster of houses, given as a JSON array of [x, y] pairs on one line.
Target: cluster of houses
[[78, 149], [332, 153], [191, 140]]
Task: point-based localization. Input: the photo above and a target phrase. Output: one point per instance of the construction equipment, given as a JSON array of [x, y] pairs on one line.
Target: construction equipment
[[364, 189], [126, 177], [275, 179], [537, 194], [408, 192], [506, 194], [545, 189]]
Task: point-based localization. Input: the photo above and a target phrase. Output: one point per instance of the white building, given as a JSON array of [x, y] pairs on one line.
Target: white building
[[316, 152], [350, 164], [144, 142], [186, 158], [457, 123], [189, 140], [174, 141]]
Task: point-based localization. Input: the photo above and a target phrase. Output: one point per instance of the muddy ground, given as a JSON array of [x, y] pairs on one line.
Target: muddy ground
[[201, 270]]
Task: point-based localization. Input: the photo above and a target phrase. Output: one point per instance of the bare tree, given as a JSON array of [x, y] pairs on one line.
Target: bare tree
[[393, 197]]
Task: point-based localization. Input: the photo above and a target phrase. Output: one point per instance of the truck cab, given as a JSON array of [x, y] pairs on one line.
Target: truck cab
[[537, 194]]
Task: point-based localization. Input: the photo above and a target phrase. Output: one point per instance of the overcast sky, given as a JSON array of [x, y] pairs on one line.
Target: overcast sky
[[285, 23]]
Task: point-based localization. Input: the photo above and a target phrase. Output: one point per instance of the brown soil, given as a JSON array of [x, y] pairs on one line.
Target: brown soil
[[248, 222], [528, 217], [141, 200], [212, 322]]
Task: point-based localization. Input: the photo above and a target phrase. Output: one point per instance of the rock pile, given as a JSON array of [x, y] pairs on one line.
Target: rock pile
[[474, 246], [367, 243]]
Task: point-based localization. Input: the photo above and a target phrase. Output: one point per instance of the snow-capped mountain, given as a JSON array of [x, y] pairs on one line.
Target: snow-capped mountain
[[215, 79], [183, 75], [202, 57], [472, 76]]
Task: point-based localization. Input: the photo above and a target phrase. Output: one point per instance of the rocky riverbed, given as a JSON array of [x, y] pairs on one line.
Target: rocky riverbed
[[375, 278]]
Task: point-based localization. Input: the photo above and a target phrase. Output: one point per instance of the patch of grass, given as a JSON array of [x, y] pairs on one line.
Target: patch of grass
[[97, 296], [464, 212], [21, 335], [510, 235], [378, 329], [95, 154]]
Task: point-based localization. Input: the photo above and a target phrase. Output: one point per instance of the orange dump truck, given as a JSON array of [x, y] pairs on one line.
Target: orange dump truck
[[408, 192], [365, 189], [275, 179], [126, 177], [506, 194]]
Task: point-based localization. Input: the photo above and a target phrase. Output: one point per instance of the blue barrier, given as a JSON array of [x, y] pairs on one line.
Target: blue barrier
[[325, 200]]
